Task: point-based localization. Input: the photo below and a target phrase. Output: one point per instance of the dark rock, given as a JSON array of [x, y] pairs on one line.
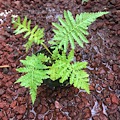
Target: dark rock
[[114, 98], [87, 113], [1, 114], [1, 84], [40, 116], [116, 68], [104, 2], [1, 75], [110, 76], [31, 115], [108, 101], [2, 104], [20, 109], [2, 91], [58, 105], [17, 4], [13, 104], [81, 105], [113, 2], [103, 117], [101, 71], [77, 99], [44, 109], [96, 117], [21, 90], [92, 88], [19, 117], [5, 70]]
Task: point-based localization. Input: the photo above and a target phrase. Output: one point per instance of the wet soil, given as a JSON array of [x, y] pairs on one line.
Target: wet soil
[[62, 103]]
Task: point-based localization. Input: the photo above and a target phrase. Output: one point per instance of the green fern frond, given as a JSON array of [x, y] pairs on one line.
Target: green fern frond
[[35, 72], [34, 35], [70, 29], [79, 78], [63, 70]]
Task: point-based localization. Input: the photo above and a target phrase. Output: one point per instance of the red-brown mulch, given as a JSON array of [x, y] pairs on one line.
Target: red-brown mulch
[[63, 103]]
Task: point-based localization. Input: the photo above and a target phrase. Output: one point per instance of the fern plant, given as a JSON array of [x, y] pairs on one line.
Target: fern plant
[[72, 29], [62, 67]]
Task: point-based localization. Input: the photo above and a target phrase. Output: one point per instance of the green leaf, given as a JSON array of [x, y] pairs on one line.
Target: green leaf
[[71, 41], [63, 70], [57, 26], [67, 18], [35, 72], [83, 38], [34, 35], [79, 78], [70, 29], [34, 29], [24, 21], [33, 93], [18, 20], [28, 25], [70, 16], [27, 34]]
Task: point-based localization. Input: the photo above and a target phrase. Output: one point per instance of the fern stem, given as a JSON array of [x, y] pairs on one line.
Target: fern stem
[[46, 48]]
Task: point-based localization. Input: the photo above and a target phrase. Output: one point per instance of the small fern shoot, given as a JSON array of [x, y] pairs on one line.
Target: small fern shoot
[[35, 72], [63, 70], [84, 1], [70, 29], [35, 35]]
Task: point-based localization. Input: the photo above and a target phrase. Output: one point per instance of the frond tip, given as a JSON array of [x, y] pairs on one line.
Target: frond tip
[[34, 35], [70, 30]]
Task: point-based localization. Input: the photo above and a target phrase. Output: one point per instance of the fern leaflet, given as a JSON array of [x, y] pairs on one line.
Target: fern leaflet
[[72, 29], [35, 35], [78, 77], [35, 71]]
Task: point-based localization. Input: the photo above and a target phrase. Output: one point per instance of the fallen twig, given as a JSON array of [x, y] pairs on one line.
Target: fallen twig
[[4, 66]]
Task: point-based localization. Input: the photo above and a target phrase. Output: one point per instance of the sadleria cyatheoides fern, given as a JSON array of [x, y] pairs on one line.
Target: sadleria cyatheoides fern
[[70, 29], [63, 70], [35, 72], [34, 35], [61, 67]]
